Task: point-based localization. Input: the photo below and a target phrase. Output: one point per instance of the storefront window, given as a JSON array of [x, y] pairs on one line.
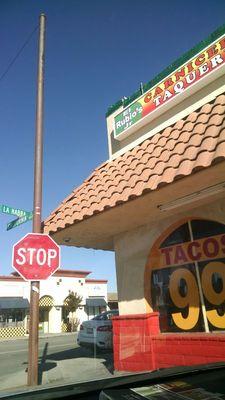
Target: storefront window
[[11, 317], [92, 311], [186, 271]]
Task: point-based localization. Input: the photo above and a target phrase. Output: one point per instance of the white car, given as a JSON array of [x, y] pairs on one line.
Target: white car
[[97, 331]]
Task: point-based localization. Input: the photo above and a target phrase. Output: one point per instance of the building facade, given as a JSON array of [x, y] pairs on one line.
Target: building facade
[[53, 313], [159, 204]]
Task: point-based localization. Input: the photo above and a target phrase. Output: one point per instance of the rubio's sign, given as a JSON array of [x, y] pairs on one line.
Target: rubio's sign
[[210, 59]]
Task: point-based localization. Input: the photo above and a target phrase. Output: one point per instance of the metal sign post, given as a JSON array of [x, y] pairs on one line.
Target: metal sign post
[[34, 292]]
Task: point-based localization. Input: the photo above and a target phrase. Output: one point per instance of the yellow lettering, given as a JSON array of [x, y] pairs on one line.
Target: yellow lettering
[[212, 296], [190, 300]]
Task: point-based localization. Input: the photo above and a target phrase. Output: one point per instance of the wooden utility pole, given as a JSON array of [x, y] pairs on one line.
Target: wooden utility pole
[[37, 207]]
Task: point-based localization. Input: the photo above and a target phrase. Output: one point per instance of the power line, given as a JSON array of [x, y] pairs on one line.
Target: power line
[[17, 54]]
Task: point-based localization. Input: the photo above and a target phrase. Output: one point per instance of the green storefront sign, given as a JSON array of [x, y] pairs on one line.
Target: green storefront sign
[[128, 117], [186, 75]]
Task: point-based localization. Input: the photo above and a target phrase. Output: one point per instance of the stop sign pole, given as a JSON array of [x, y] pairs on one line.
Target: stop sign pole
[[32, 378]]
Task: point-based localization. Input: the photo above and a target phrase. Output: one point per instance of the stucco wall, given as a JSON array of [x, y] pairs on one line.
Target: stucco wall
[[132, 249], [55, 322], [96, 289], [59, 288]]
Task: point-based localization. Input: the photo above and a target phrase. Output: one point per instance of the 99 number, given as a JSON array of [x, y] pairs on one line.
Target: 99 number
[[191, 298]]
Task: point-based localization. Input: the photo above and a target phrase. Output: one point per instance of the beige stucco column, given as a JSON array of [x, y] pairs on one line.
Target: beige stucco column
[[55, 319]]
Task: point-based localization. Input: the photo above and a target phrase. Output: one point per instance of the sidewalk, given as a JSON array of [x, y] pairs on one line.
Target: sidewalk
[[41, 336]]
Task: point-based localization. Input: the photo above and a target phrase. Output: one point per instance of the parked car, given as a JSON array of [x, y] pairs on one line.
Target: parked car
[[97, 331]]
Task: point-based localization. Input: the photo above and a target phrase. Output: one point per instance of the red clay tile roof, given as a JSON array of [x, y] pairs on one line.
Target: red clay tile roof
[[191, 144]]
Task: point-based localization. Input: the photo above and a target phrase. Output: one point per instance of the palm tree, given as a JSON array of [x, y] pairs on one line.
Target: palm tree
[[71, 304]]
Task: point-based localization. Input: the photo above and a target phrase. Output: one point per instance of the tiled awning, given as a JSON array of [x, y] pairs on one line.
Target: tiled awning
[[193, 143]]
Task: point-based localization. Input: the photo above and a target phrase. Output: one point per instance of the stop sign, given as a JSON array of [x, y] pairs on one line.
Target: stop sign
[[36, 257]]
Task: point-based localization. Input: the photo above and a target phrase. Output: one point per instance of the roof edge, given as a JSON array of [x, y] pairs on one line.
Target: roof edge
[[96, 280], [65, 273], [11, 278]]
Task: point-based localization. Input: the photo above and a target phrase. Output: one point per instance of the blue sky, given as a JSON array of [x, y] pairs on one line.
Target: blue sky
[[97, 51]]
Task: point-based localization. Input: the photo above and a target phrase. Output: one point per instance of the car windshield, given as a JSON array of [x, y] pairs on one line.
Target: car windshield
[[112, 194]]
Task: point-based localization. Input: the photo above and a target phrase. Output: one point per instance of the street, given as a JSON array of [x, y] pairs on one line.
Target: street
[[61, 361]]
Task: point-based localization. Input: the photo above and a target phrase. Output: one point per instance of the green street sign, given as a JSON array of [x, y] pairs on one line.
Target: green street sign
[[19, 221], [13, 211]]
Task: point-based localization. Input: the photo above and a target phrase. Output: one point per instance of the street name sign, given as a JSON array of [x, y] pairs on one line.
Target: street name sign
[[19, 221], [22, 215], [36, 257], [13, 211]]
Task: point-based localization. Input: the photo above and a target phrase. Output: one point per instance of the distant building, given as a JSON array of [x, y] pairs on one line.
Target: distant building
[[53, 315], [113, 300]]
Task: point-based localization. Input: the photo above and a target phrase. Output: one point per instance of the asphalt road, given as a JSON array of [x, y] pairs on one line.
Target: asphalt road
[[61, 361]]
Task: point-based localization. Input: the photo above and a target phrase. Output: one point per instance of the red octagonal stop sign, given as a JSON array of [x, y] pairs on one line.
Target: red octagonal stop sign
[[36, 257]]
